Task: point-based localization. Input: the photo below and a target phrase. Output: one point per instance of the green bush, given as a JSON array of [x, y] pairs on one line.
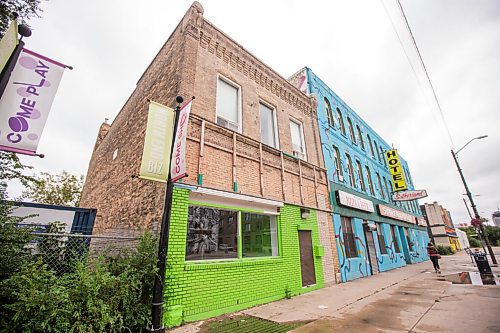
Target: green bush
[[474, 242], [106, 293], [444, 250]]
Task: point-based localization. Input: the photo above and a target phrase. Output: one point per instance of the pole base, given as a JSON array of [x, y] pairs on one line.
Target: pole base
[[155, 330]]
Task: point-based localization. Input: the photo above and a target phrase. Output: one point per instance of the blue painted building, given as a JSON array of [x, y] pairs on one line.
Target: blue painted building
[[373, 232]]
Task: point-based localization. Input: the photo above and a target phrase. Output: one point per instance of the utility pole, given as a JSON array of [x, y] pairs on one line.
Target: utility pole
[[474, 208]]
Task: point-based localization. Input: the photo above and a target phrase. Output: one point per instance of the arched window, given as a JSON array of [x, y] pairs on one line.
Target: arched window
[[371, 145], [370, 181], [360, 137], [341, 121], [380, 189], [338, 164], [361, 179], [387, 189], [329, 113], [382, 157], [351, 130], [376, 149], [350, 170]]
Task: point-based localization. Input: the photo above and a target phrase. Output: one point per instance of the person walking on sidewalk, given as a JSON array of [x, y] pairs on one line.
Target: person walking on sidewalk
[[434, 255]]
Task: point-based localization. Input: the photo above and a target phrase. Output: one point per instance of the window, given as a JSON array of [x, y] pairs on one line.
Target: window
[[382, 156], [329, 113], [395, 239], [351, 130], [380, 190], [376, 148], [228, 105], [299, 149], [381, 239], [387, 189], [268, 131], [410, 246], [341, 121], [350, 170], [371, 146], [259, 234], [338, 164], [349, 240], [390, 190], [370, 182], [360, 137], [361, 177], [212, 233]]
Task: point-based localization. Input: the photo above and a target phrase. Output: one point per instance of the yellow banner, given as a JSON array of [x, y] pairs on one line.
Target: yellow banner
[[155, 163], [8, 44], [397, 175]]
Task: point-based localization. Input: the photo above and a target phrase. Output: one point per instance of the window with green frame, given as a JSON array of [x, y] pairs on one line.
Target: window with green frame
[[213, 234]]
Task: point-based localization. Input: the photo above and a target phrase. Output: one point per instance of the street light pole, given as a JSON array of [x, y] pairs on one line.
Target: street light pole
[[473, 205]]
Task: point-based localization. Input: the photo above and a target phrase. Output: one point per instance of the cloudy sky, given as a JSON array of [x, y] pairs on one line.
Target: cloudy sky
[[351, 45]]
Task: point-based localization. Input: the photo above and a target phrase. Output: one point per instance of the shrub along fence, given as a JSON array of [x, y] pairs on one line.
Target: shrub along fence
[[51, 281]]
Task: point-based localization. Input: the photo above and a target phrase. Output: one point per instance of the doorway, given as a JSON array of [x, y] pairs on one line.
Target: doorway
[[306, 258], [372, 252]]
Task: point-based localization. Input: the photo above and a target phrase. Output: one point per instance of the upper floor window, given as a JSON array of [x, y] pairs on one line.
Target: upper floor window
[[228, 104], [298, 146], [380, 189], [387, 189], [338, 164], [382, 155], [351, 130], [371, 145], [350, 170], [370, 182], [360, 137], [376, 149], [360, 176], [341, 121], [329, 113], [268, 132]]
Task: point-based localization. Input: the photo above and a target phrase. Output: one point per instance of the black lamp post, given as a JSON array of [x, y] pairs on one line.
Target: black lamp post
[[473, 205]]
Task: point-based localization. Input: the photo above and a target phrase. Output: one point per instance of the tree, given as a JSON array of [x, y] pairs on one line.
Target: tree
[[25, 9], [63, 189]]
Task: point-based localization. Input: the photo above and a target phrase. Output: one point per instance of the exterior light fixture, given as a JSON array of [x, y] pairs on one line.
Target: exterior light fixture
[[305, 213]]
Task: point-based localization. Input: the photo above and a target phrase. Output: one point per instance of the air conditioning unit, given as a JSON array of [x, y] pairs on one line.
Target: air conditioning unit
[[228, 124]]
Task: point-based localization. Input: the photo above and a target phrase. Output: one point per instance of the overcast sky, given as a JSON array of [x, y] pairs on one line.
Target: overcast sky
[[351, 45]]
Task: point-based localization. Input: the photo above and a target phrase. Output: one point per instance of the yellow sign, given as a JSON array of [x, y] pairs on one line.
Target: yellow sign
[[8, 44], [397, 175], [155, 163]]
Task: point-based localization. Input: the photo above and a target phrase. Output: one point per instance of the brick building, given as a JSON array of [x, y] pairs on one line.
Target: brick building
[[440, 225], [252, 221], [374, 232]]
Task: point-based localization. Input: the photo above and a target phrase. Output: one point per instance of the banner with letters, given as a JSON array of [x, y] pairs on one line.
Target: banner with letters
[[155, 162], [26, 101], [396, 171], [178, 168]]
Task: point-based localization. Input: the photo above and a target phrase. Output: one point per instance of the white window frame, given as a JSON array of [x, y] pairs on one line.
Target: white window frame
[[240, 116], [275, 122], [301, 127]]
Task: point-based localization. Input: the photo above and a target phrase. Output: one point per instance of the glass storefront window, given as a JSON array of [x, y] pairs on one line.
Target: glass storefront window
[[212, 233], [259, 235]]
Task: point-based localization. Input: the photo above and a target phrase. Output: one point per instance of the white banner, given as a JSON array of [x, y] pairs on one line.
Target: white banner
[[409, 195], [178, 164], [354, 201], [26, 101]]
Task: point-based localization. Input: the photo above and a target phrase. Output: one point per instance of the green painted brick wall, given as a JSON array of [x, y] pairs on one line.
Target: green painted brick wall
[[208, 288]]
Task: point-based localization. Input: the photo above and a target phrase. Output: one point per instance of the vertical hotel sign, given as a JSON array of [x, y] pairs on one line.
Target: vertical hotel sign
[[155, 162], [26, 101], [397, 175]]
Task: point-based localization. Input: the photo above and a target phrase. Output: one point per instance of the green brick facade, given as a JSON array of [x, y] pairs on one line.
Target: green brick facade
[[204, 289]]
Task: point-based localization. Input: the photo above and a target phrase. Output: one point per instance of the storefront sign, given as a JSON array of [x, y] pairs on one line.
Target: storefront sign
[[409, 195], [353, 201], [155, 162], [397, 175], [395, 214], [178, 170], [26, 101]]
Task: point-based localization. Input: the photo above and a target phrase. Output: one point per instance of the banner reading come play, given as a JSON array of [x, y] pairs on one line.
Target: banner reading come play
[[26, 101]]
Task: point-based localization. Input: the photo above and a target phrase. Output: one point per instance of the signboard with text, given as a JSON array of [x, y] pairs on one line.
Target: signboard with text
[[395, 214], [178, 168], [409, 195], [353, 201], [397, 175]]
